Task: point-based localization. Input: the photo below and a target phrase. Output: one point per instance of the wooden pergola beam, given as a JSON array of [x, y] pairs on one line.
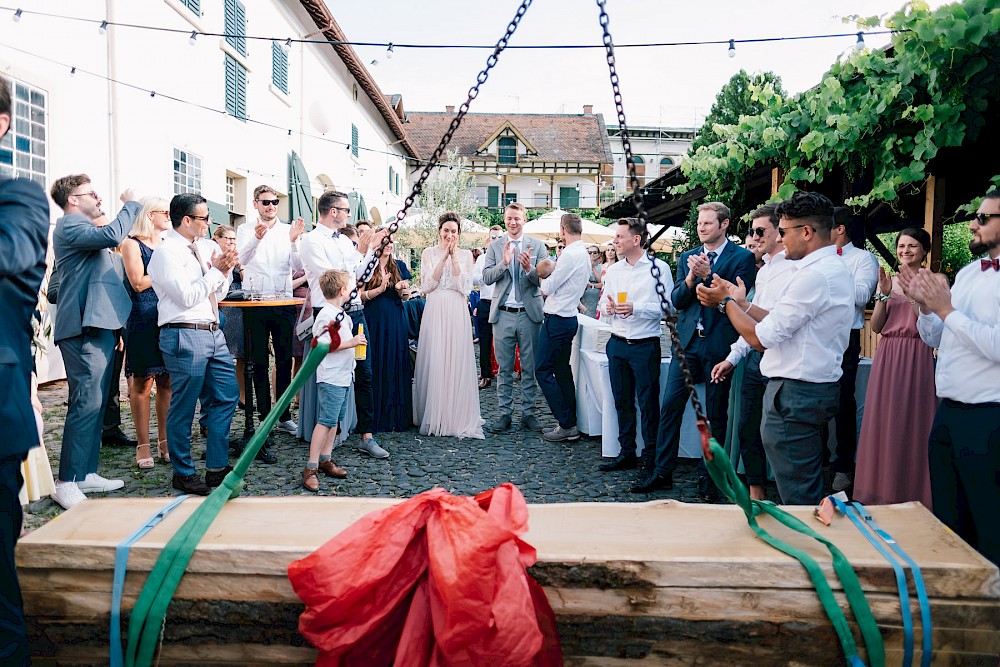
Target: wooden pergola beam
[[934, 217]]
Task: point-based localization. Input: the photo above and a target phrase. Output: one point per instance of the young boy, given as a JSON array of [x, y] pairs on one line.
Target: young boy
[[333, 378]]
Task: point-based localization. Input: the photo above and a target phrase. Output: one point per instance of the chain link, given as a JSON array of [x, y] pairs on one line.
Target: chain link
[[439, 151], [640, 208]]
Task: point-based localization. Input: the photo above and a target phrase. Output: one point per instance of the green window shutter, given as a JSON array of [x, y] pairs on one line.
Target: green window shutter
[[236, 89], [193, 5], [493, 196], [279, 67], [509, 198], [507, 150], [236, 26], [354, 140], [569, 198], [392, 180], [397, 182]]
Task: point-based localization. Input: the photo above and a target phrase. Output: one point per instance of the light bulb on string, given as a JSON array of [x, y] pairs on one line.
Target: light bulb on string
[[17, 16], [287, 46], [72, 71], [577, 187], [103, 28], [732, 48], [539, 181], [193, 39], [860, 44], [374, 62], [389, 52]]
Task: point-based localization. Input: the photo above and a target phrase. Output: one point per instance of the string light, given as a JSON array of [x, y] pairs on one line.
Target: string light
[[287, 46], [103, 28], [388, 52], [539, 182], [860, 44], [72, 71], [732, 48], [17, 16], [374, 62], [193, 39]]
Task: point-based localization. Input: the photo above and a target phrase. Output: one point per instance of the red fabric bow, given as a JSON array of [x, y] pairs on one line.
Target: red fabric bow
[[333, 328], [988, 264], [437, 580]]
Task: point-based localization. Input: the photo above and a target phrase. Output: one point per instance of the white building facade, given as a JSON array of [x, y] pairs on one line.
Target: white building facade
[[654, 151]]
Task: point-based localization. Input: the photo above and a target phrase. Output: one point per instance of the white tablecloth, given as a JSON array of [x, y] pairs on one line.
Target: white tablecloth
[[595, 405]]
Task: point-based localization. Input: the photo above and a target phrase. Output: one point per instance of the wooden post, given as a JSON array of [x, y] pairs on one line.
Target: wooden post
[[934, 218], [777, 177]]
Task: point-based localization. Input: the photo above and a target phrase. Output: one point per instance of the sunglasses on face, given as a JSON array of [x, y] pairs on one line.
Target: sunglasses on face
[[269, 202], [561, 247], [982, 218], [758, 231], [494, 238], [782, 230]]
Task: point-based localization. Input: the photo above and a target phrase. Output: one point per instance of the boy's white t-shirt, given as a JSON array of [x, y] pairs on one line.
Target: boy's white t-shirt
[[337, 368]]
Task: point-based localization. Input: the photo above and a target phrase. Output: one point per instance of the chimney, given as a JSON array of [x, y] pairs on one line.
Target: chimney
[[588, 109], [450, 109]]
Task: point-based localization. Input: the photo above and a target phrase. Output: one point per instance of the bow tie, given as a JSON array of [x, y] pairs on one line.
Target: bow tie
[[335, 235], [988, 264], [840, 251]]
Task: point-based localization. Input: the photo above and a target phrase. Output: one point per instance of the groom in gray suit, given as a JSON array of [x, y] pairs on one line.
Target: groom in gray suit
[[93, 304], [516, 315]]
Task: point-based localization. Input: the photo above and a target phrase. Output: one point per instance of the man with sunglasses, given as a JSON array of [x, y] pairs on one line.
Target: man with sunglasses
[[93, 305], [772, 280], [803, 338], [482, 315], [269, 253], [964, 324]]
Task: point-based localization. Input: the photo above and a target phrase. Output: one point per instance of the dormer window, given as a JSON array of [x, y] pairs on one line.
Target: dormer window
[[507, 150]]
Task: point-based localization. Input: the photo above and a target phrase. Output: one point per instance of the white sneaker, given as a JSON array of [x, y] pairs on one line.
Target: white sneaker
[[288, 426], [94, 482], [67, 494]]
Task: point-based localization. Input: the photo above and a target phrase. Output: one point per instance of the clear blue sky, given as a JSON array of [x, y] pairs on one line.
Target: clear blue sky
[[663, 85]]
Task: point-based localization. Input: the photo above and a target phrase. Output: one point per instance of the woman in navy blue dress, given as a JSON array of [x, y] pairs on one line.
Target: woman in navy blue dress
[[388, 345], [143, 361]]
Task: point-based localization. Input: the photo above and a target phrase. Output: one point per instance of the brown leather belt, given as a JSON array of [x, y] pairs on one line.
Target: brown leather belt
[[201, 326]]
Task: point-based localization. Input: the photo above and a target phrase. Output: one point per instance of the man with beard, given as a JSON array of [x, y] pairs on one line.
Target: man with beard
[[964, 324], [93, 305]]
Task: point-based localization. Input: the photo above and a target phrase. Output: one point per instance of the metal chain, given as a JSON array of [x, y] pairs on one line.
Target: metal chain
[[640, 208], [436, 155]]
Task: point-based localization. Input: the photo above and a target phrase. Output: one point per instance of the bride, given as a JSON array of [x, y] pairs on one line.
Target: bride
[[446, 398]]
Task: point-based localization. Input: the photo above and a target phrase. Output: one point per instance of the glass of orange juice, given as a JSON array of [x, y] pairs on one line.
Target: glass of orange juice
[[622, 297]]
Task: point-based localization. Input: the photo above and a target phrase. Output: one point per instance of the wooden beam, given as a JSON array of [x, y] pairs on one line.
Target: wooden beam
[[880, 247], [934, 217], [777, 178]]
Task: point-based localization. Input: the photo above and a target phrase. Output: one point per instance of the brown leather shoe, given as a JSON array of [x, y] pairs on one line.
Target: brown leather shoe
[[331, 469], [310, 479]]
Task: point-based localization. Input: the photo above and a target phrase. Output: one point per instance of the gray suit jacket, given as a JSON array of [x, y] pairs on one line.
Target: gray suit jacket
[[91, 291], [496, 273]]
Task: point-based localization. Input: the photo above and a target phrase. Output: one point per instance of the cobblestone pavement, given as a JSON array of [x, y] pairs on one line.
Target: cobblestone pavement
[[545, 472]]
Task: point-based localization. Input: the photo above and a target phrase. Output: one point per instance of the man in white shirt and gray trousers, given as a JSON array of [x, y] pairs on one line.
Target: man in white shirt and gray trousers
[[803, 337], [563, 290], [964, 324]]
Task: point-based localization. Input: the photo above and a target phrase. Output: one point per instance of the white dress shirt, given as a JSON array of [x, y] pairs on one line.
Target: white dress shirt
[[568, 281], [807, 331], [864, 267], [771, 282], [337, 368], [270, 260], [182, 286], [638, 282], [513, 268], [322, 251], [485, 291], [968, 340]]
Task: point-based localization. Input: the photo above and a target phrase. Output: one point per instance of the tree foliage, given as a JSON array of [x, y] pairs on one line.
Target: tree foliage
[[735, 99], [878, 116], [450, 188]]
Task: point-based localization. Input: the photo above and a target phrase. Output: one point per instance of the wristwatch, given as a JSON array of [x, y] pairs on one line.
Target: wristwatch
[[722, 304]]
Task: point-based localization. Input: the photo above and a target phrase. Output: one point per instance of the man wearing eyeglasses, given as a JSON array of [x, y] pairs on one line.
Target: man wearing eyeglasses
[[803, 338], [93, 304], [190, 275], [482, 314], [772, 280], [963, 322], [269, 253]]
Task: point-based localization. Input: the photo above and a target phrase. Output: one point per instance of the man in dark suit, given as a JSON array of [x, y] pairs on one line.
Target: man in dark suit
[[24, 231], [93, 304], [706, 335]]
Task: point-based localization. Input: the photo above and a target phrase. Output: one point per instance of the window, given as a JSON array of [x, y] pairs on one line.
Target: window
[[392, 179], [230, 193], [236, 26], [236, 89], [509, 198], [541, 199], [187, 172], [666, 163], [354, 140], [493, 196], [569, 198], [279, 67], [637, 159], [507, 150], [22, 151], [398, 181], [193, 5]]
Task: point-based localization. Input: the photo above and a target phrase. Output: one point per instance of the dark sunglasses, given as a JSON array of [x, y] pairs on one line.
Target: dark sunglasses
[[561, 247], [270, 202], [758, 231], [782, 230], [981, 218], [593, 252]]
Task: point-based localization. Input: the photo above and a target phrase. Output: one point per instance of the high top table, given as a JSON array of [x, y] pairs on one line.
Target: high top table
[[248, 428]]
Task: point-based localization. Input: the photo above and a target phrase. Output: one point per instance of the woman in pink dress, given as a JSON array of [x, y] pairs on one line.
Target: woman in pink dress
[[445, 392], [900, 404]]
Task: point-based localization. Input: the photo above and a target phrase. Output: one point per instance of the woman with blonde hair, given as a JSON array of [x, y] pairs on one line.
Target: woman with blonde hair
[[143, 361]]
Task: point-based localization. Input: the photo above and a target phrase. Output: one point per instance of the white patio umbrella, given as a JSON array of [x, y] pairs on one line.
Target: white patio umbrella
[[547, 227], [668, 239]]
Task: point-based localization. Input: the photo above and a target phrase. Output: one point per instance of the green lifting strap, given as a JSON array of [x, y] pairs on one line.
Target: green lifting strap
[[150, 609], [720, 468]]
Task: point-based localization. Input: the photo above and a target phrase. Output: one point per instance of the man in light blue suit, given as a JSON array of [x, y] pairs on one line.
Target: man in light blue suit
[[93, 304]]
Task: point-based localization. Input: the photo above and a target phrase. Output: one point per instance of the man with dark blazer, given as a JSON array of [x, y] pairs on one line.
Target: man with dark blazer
[[24, 231], [706, 335], [516, 315], [93, 304]]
